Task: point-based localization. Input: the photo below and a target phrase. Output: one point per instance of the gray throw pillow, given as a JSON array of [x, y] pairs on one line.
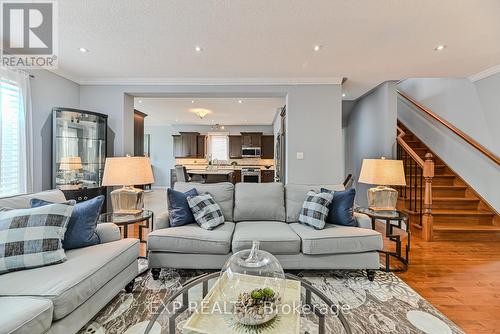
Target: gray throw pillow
[[206, 211], [32, 238], [315, 209]]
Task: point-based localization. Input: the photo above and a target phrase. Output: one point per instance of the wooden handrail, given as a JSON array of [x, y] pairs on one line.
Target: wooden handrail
[[451, 127], [407, 147]]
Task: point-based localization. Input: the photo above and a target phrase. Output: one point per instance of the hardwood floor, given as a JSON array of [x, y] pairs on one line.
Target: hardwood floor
[[461, 279]]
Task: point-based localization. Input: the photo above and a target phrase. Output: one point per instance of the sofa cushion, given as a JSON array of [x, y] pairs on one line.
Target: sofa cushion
[[25, 315], [192, 238], [80, 231], [335, 239], [223, 194], [315, 209], [23, 201], [206, 211], [341, 208], [275, 237], [178, 207], [295, 194], [259, 201], [70, 284], [32, 238]]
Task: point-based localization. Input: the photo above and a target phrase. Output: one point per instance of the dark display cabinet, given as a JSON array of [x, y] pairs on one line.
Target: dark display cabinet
[[79, 142]]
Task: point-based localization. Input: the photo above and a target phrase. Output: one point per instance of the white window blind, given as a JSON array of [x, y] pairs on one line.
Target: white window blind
[[219, 147], [12, 140]]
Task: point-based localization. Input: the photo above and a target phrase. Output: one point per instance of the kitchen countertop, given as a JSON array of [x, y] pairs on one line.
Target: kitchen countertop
[[210, 172]]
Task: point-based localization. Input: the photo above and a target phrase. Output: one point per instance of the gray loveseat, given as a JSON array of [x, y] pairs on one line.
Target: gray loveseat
[[62, 298], [267, 212]]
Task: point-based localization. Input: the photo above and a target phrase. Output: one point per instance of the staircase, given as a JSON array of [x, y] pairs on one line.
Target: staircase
[[458, 213]]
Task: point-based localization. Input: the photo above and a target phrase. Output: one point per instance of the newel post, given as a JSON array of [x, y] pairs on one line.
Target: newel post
[[427, 220]]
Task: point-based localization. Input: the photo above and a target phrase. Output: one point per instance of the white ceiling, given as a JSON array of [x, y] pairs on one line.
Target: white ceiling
[[226, 111], [366, 41]]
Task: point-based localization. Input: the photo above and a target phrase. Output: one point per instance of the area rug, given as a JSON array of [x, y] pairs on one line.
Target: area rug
[[386, 305]]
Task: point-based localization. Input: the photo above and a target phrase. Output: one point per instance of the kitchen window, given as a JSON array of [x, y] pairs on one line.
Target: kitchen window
[[218, 146]]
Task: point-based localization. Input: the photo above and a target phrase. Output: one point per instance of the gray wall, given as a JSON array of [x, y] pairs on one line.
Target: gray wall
[[162, 155], [48, 90], [371, 132], [472, 107], [314, 118]]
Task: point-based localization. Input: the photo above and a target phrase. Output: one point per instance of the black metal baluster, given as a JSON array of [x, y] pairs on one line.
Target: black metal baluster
[[421, 197], [411, 183]]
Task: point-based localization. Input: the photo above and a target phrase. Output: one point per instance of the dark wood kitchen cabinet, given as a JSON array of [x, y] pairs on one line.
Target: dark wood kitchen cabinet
[[234, 147], [267, 151], [251, 139], [139, 133], [186, 145], [266, 176], [201, 146], [236, 176]]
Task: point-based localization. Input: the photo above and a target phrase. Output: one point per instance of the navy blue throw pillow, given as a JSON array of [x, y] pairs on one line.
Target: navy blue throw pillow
[[80, 231], [341, 207], [178, 207]]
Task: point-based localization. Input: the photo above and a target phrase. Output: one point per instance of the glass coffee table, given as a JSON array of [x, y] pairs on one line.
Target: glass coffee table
[[315, 312]]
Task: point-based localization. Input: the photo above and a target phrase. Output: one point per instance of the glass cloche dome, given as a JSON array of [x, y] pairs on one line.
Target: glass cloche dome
[[252, 281]]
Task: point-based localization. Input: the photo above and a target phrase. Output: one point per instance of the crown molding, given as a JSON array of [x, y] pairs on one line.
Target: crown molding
[[212, 81], [486, 73], [65, 75]]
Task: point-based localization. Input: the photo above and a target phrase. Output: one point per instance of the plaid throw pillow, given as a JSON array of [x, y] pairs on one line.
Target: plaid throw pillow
[[206, 211], [315, 209], [32, 238]]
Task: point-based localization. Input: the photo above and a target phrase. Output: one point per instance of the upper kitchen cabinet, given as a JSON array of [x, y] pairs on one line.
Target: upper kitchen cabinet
[[235, 143], [251, 139], [189, 145], [267, 147]]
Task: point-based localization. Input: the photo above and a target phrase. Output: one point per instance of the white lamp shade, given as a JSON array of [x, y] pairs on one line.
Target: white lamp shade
[[382, 172], [127, 171], [70, 163]]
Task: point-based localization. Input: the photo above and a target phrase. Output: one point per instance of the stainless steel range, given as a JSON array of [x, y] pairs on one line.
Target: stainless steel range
[[250, 175]]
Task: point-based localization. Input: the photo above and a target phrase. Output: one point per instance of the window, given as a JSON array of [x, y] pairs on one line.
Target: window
[[218, 146], [12, 140]]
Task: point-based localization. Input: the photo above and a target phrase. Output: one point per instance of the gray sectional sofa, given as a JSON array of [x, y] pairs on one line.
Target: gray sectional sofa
[[62, 298], [267, 212]]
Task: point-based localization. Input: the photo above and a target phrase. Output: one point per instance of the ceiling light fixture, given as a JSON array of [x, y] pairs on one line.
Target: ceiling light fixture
[[343, 94], [84, 50], [317, 48], [192, 101], [140, 101], [198, 48], [240, 101], [200, 112], [217, 127], [439, 48]]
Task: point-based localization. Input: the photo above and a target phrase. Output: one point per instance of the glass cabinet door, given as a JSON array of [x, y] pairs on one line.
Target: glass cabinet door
[[79, 148]]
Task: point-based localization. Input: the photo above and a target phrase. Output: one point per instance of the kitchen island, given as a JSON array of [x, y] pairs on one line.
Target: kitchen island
[[213, 175]]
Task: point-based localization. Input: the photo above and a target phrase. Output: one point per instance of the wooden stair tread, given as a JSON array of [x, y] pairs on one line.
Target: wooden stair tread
[[454, 199], [452, 212], [466, 228], [437, 186]]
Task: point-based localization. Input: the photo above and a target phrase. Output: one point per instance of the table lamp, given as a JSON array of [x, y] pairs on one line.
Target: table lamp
[[382, 172], [127, 172], [69, 165]]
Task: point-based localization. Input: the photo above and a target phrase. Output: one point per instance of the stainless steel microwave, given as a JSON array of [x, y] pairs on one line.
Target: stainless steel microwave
[[250, 152]]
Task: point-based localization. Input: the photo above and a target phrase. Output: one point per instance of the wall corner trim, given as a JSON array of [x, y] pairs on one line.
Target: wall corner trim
[[486, 73]]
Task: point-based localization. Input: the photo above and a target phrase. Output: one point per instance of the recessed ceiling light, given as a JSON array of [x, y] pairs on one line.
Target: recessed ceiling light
[[84, 50], [317, 48], [198, 48], [177, 120], [240, 101], [439, 48], [192, 101], [140, 101], [343, 94]]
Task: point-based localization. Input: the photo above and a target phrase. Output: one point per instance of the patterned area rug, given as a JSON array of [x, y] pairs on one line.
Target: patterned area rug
[[386, 305]]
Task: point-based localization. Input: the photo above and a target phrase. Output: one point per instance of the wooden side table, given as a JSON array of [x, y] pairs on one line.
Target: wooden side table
[[144, 220], [396, 229]]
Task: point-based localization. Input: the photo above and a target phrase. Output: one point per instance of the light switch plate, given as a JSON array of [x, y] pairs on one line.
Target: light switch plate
[[300, 155]]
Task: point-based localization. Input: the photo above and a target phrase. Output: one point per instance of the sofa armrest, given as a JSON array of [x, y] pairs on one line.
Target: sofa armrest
[[363, 220], [161, 221], [108, 232]]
